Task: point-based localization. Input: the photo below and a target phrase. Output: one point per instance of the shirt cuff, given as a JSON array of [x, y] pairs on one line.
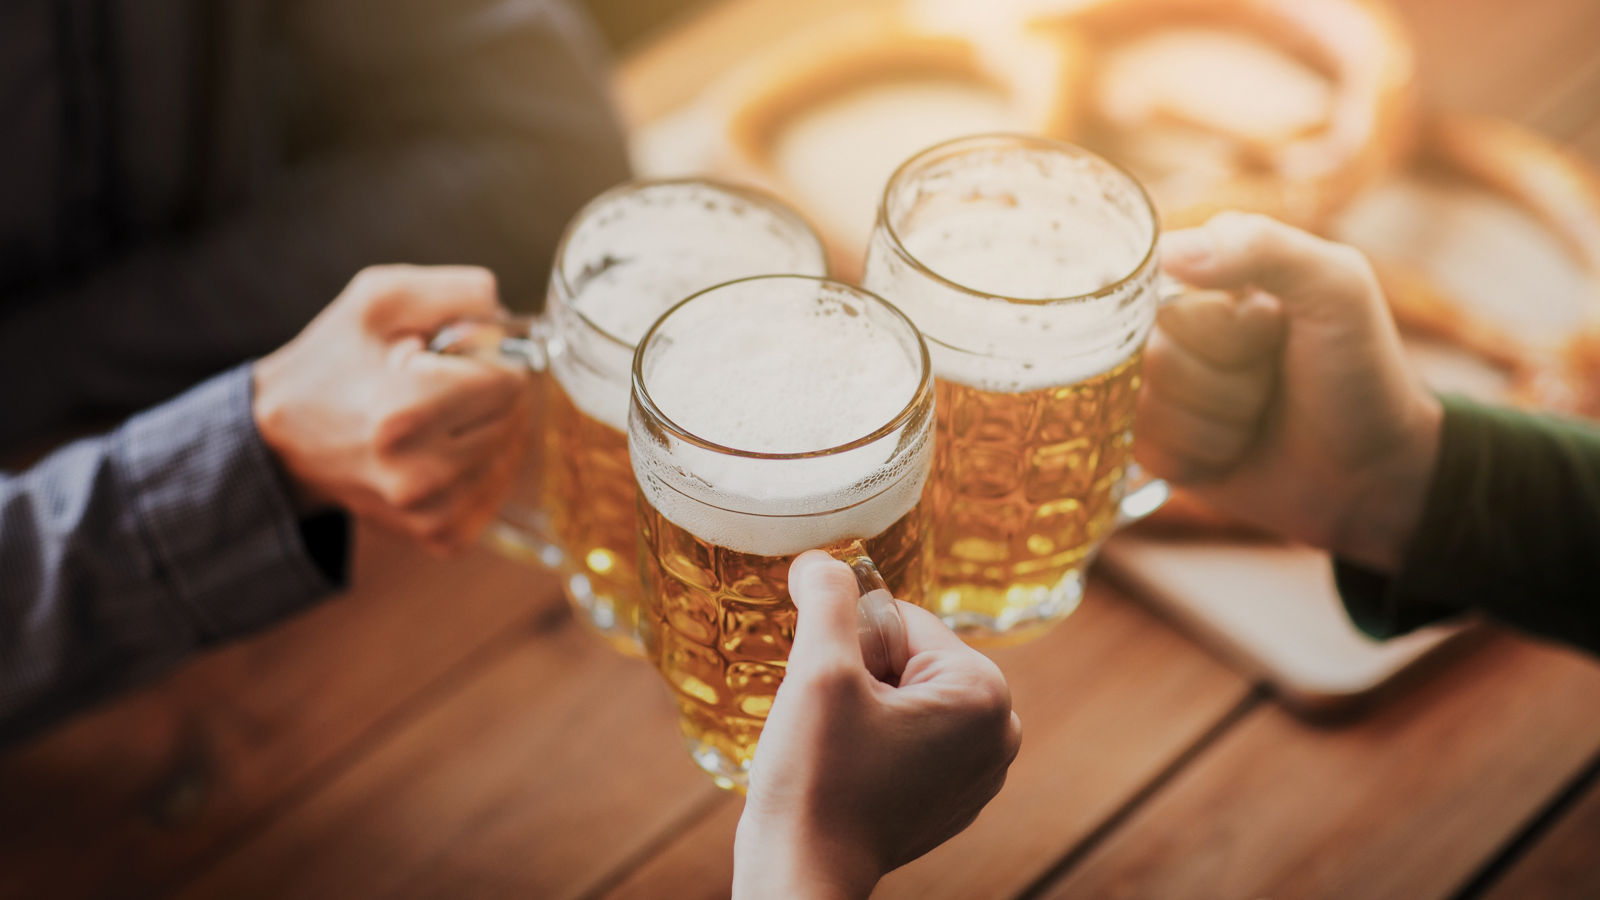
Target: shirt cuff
[[1432, 582], [214, 510]]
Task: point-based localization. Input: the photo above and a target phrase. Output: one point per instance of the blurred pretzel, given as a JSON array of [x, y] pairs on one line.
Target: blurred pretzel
[[1035, 72], [1559, 191], [1301, 177]]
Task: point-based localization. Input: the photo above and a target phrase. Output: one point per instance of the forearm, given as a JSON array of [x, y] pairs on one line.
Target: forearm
[[122, 554], [1510, 527]]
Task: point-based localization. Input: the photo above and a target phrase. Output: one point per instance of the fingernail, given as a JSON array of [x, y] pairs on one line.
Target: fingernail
[[1190, 248]]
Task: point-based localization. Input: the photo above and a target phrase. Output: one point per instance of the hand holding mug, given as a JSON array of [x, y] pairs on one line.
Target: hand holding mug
[[360, 415]]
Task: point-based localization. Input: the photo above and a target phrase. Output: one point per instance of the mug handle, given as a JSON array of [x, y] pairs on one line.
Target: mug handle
[[1147, 494], [523, 342], [880, 627]]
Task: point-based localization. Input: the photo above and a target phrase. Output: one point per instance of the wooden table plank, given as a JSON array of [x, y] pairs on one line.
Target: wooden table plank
[[129, 798], [1563, 862], [551, 769], [1108, 700], [1407, 803]]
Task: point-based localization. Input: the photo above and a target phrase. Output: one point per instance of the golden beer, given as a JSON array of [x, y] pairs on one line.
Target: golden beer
[[628, 255], [1024, 487], [1029, 266], [719, 622], [770, 416], [589, 492]]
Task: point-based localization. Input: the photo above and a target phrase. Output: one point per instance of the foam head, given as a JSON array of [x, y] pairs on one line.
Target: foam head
[[638, 249], [1027, 263], [777, 414]]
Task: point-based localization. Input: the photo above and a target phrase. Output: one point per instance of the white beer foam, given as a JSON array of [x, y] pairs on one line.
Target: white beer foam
[[787, 378], [779, 516], [635, 257], [1061, 230]]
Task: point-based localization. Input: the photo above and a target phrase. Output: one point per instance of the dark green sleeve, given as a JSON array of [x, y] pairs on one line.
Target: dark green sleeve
[[1510, 527]]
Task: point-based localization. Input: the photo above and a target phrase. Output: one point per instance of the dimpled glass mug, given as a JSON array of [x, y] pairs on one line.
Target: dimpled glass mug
[[771, 416], [1030, 267], [627, 256]]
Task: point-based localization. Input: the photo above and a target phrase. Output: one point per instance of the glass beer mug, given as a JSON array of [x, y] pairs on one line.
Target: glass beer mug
[[1030, 267], [770, 416], [626, 257]]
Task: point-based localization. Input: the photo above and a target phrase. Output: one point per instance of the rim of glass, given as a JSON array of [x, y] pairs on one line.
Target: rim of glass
[[759, 197], [1043, 143], [920, 398]]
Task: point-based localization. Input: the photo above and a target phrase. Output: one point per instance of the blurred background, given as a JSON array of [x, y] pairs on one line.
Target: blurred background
[[1208, 724]]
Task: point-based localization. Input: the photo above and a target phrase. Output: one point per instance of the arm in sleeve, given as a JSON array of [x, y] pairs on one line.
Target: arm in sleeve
[[121, 554], [1510, 527], [464, 132]]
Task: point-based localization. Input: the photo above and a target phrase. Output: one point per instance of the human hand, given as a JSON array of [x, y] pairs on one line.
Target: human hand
[[1291, 407], [362, 416], [854, 777]]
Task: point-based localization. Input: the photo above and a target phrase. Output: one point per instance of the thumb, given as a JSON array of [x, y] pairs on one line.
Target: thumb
[[825, 592], [1236, 251], [420, 300]]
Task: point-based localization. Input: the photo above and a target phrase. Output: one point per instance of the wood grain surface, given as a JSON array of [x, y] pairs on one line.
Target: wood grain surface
[[1108, 701], [1405, 802], [133, 795], [447, 730]]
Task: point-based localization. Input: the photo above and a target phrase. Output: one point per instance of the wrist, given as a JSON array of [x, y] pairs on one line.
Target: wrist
[[1381, 517], [798, 863], [270, 413]]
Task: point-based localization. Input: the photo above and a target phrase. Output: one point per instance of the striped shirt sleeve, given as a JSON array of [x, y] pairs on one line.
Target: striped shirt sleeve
[[123, 553]]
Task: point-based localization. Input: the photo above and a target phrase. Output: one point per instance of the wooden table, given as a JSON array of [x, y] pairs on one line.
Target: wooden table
[[448, 730]]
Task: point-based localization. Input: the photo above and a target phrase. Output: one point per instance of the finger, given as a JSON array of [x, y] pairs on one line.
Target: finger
[[1235, 396], [1238, 250], [438, 523], [419, 300], [825, 592], [445, 394], [925, 632], [422, 475], [1203, 444], [423, 466], [491, 494], [1226, 331], [1169, 464]]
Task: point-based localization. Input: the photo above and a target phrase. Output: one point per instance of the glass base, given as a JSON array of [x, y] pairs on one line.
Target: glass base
[[1024, 612], [599, 612], [522, 537], [724, 772]]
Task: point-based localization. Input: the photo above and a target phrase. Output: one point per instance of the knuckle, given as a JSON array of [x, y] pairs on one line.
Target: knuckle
[[375, 282], [1247, 230], [440, 532], [989, 696], [481, 279], [1354, 267], [410, 491], [394, 429], [830, 683], [1259, 236]]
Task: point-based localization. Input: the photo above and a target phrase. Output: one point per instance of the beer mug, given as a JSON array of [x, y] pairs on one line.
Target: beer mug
[[626, 257], [1030, 267], [770, 416]]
